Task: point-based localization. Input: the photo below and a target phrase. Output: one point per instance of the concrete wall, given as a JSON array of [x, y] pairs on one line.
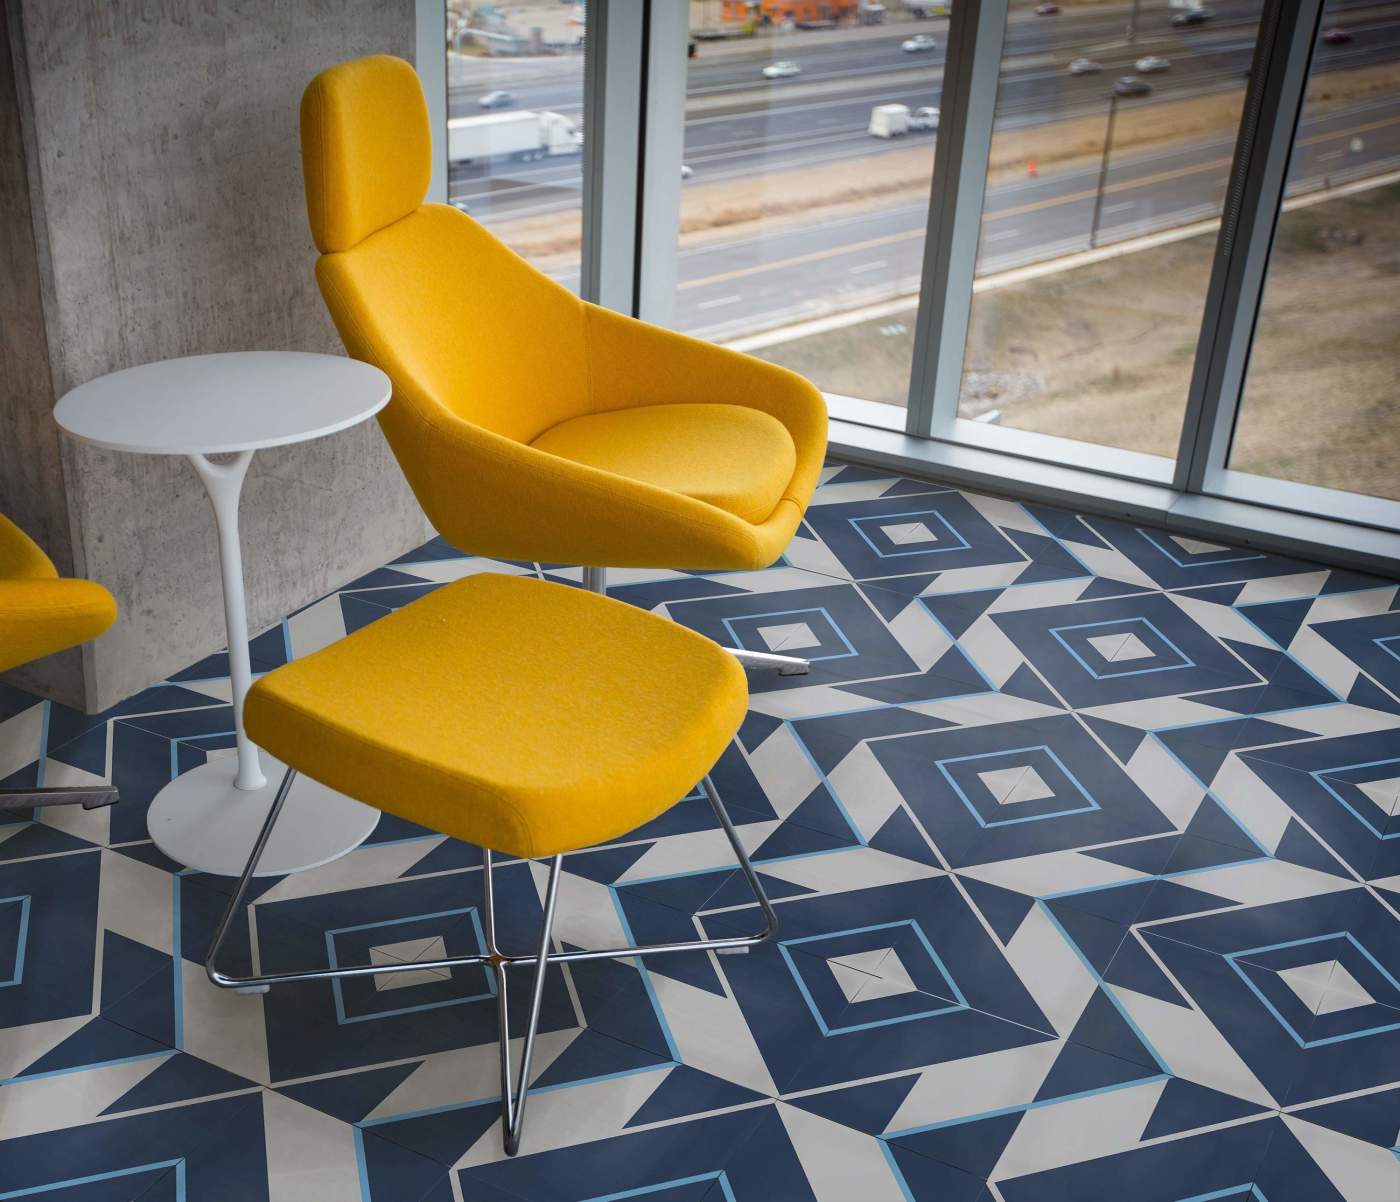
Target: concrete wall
[[169, 220], [31, 472]]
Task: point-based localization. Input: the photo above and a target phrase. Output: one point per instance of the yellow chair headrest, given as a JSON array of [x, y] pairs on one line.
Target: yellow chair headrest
[[366, 149]]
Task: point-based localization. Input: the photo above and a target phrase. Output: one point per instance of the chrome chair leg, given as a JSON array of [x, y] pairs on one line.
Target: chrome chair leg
[[496, 961], [595, 580]]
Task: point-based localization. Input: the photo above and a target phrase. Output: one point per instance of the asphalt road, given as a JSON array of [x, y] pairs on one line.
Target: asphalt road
[[729, 288], [738, 125]]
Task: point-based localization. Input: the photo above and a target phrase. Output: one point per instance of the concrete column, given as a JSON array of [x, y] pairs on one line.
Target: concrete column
[[156, 170]]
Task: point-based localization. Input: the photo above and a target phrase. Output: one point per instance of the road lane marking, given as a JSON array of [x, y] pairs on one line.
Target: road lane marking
[[1029, 207], [1001, 234], [875, 266], [715, 304], [1120, 207]]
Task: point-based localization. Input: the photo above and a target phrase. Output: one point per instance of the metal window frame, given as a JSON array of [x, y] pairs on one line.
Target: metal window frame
[[971, 73], [615, 79], [430, 61]]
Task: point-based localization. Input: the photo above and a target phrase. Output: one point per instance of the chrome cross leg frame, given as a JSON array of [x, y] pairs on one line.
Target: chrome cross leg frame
[[595, 580], [513, 1096]]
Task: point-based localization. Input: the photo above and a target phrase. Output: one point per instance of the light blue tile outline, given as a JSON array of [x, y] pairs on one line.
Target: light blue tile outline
[[340, 1013], [1202, 563], [790, 613], [1186, 660], [178, 1164], [961, 1003], [1232, 958], [17, 973], [1320, 773], [972, 809], [1389, 638], [643, 1190], [961, 545]]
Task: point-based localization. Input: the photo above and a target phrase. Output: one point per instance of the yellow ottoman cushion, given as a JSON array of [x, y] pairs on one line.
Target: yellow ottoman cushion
[[527, 717], [736, 459]]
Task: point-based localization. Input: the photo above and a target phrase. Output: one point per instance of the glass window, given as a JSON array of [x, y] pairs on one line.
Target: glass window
[[1321, 403], [1112, 143], [809, 137], [515, 125]]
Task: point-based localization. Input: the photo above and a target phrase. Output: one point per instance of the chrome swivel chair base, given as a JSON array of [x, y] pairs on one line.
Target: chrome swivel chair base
[[513, 1096], [595, 580]]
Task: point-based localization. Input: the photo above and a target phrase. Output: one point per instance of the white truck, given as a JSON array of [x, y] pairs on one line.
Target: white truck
[[892, 120], [523, 136]]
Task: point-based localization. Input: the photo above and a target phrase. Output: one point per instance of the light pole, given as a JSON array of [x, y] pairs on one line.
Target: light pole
[[1103, 171]]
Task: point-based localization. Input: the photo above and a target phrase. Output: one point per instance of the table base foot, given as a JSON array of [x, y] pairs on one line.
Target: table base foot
[[203, 821]]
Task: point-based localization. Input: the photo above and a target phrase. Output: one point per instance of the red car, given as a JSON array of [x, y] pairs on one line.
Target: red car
[[1046, 10], [1336, 37]]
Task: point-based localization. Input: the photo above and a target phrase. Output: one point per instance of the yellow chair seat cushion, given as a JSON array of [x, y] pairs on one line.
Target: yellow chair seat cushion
[[732, 457], [527, 717]]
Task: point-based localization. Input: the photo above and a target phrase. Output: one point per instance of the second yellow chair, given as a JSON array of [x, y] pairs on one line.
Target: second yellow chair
[[530, 424]]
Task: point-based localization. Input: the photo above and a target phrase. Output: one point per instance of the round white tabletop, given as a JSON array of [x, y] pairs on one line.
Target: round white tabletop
[[210, 817], [216, 404]]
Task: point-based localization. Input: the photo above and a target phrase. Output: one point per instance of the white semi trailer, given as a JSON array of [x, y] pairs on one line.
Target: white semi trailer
[[522, 136]]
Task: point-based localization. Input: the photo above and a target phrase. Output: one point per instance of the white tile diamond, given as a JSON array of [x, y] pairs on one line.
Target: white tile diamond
[[1010, 785], [909, 532], [406, 952], [794, 636]]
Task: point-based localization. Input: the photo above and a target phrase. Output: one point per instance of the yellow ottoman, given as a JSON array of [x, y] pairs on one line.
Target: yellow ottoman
[[528, 718]]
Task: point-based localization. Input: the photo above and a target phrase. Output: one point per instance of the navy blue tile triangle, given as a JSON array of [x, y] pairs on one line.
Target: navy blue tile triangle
[[899, 836], [408, 1158], [1095, 937], [1366, 692], [958, 611], [182, 1078], [350, 1096], [1210, 821], [1004, 909], [1132, 968], [96, 1042], [127, 964], [1102, 586], [1371, 1118], [1146, 855], [1024, 683], [593, 1054], [888, 603], [1049, 559], [1280, 620], [687, 1091], [1063, 524], [1102, 1027], [1079, 1069], [1220, 594], [974, 1146], [1299, 847], [1122, 740], [867, 1108], [926, 1178], [1185, 1105]]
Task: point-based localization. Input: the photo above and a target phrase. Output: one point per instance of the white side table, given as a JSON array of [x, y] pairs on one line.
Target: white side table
[[235, 404]]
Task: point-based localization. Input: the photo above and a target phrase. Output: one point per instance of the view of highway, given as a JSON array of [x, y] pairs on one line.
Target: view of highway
[[1115, 125]]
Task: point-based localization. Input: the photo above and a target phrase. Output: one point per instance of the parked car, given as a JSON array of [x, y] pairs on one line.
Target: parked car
[[1336, 37], [1191, 16], [687, 171], [925, 117], [1085, 66], [1046, 10], [1152, 63], [498, 99], [781, 70], [918, 43], [1131, 85]]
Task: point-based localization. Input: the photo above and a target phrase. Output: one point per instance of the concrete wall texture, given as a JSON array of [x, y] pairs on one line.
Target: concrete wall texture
[[166, 196]]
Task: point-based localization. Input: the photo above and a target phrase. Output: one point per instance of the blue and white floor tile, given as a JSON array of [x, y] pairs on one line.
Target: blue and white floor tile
[[1085, 840]]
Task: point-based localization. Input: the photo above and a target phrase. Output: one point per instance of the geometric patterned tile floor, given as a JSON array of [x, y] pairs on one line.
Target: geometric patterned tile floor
[[1085, 841]]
